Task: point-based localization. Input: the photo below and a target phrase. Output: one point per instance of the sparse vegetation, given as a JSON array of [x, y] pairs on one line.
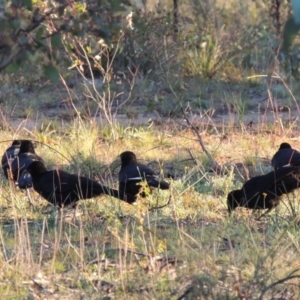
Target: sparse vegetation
[[207, 101]]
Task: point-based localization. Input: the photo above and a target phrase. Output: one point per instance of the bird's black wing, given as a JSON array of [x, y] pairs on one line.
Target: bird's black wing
[[126, 189], [10, 153], [273, 182], [155, 181], [8, 157], [135, 172], [24, 180], [58, 187], [139, 172], [22, 162], [287, 180], [63, 187], [285, 157], [58, 181]]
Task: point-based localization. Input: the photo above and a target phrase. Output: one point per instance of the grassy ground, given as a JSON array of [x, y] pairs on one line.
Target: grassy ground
[[225, 76], [189, 249]]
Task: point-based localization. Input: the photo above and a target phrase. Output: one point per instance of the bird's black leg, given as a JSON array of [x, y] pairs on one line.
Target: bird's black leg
[[162, 206], [264, 214]]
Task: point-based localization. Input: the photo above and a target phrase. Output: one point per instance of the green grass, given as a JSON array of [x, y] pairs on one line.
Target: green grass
[[116, 250], [223, 72]]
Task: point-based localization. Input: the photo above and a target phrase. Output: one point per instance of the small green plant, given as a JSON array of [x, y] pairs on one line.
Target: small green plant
[[238, 105], [206, 59]]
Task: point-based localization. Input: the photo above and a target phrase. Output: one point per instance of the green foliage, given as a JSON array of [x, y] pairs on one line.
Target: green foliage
[[34, 31], [189, 249], [215, 46], [290, 50], [116, 250], [286, 27], [291, 29], [51, 72]]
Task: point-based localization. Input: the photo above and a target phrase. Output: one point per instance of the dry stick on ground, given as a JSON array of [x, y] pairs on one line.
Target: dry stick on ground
[[197, 163], [216, 166], [280, 281], [161, 206]]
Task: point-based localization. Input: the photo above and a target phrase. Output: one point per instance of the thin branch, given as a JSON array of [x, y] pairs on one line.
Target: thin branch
[[216, 166], [197, 163], [200, 140], [289, 277], [16, 48], [162, 206]]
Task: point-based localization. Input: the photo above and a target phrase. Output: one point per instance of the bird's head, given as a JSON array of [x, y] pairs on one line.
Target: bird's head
[[285, 146], [127, 158], [16, 143], [27, 146]]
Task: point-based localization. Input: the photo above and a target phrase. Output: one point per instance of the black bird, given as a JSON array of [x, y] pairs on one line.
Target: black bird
[[9, 156], [264, 192], [21, 162], [132, 173], [285, 156], [62, 188]]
